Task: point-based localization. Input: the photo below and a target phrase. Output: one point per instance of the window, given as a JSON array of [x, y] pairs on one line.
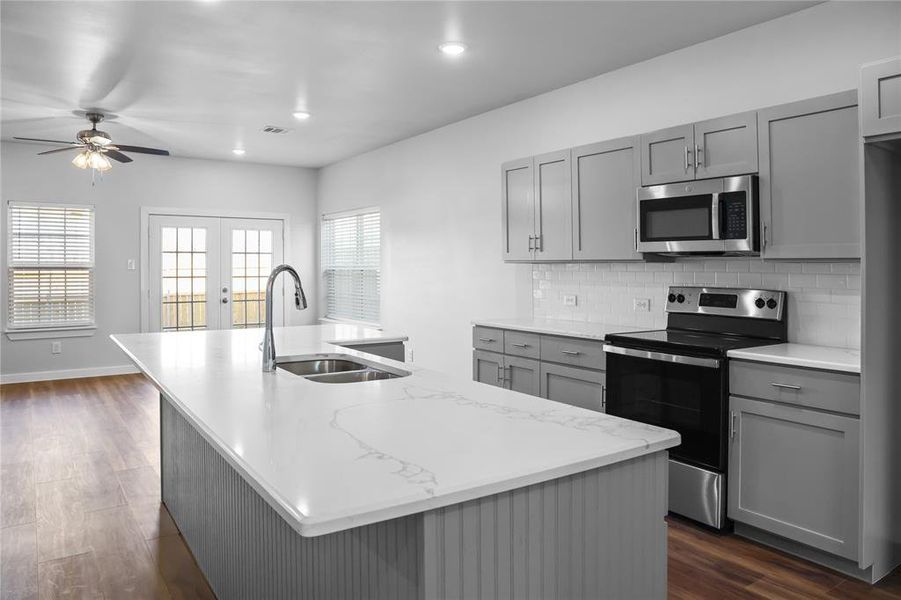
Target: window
[[351, 263], [51, 266]]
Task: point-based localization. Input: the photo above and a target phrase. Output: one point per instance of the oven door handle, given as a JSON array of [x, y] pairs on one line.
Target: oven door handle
[[707, 363]]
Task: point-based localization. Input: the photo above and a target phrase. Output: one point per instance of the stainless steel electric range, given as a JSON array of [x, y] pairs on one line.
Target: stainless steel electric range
[[678, 378]]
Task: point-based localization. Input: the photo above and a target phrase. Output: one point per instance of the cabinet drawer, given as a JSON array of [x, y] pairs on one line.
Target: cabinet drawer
[[575, 352], [519, 343], [488, 338], [826, 390]]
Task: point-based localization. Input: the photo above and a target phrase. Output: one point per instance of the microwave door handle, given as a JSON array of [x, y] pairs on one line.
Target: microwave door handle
[[715, 216]]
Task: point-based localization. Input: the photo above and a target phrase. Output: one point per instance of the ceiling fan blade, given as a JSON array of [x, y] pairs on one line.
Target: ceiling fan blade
[[142, 150], [116, 155], [61, 150], [48, 141]]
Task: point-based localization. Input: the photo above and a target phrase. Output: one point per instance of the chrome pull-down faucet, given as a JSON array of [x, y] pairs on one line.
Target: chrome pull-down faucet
[[300, 303]]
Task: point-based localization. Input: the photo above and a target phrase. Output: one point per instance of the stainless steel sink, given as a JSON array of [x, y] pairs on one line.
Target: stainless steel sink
[[320, 366], [337, 368]]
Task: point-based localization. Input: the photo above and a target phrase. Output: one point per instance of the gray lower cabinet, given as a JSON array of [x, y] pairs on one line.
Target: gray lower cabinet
[[571, 385], [522, 375], [794, 472], [604, 179], [810, 178], [880, 98], [487, 367]]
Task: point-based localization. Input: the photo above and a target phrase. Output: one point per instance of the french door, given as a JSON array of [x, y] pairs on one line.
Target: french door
[[210, 272]]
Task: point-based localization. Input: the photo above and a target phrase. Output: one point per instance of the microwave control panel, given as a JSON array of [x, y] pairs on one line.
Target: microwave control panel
[[735, 216], [730, 302]]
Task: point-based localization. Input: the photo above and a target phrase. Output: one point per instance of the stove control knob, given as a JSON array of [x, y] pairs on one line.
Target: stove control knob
[[760, 303], [671, 298], [680, 298], [771, 303]]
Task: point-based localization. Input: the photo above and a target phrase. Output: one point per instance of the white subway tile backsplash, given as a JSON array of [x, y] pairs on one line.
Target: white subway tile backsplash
[[824, 298]]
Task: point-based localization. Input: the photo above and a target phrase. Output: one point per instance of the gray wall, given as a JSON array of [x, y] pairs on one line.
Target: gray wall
[[440, 191], [148, 181]]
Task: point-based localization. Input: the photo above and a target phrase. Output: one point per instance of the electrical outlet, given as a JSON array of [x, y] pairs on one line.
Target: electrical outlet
[[409, 353], [131, 264], [56, 347], [641, 304], [569, 300]]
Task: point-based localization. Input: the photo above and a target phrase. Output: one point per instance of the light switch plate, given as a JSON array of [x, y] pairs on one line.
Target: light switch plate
[[569, 300], [641, 304], [56, 347], [131, 264]]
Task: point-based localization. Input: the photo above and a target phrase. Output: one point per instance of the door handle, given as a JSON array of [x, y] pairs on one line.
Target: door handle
[[481, 339], [732, 426], [699, 151], [519, 345], [687, 159], [571, 352], [531, 243], [604, 396]]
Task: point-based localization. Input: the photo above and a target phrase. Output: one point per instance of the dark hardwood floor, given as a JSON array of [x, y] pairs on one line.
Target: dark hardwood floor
[[81, 516]]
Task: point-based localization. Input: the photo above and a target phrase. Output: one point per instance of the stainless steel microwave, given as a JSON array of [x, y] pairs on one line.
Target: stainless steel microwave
[[711, 216]]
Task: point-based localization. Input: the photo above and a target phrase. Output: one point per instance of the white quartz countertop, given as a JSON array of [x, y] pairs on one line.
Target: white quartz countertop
[[329, 457], [578, 329], [803, 355]]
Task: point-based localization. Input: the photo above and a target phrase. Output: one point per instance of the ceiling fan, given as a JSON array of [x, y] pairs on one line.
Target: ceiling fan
[[96, 147]]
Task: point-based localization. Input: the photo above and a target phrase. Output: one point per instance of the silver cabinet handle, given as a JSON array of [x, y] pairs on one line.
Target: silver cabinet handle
[[710, 363], [687, 159], [732, 426], [787, 386], [519, 345], [571, 352], [481, 339], [603, 396], [698, 153], [539, 242]]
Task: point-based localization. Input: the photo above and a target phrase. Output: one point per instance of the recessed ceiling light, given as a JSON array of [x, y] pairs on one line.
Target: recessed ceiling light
[[238, 151], [452, 48], [301, 115]]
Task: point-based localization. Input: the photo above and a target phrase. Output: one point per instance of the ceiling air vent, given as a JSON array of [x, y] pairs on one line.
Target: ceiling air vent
[[275, 129]]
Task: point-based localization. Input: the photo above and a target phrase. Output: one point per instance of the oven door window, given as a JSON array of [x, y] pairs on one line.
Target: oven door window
[[685, 398], [684, 218]]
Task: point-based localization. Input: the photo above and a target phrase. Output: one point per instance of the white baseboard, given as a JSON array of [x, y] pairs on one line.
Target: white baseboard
[[67, 374]]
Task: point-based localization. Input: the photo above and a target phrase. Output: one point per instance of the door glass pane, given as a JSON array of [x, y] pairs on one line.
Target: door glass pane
[[251, 260], [183, 301]]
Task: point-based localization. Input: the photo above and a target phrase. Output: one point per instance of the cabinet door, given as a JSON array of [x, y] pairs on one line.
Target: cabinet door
[[571, 385], [487, 367], [794, 472], [880, 98], [809, 178], [726, 146], [553, 206], [604, 179], [522, 375], [518, 209], [668, 155]]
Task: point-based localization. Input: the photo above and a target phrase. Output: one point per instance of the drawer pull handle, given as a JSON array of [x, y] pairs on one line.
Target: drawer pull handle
[[481, 339], [786, 386], [571, 352], [519, 345]]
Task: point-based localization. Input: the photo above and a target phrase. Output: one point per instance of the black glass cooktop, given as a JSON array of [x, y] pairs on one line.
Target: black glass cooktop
[[696, 342]]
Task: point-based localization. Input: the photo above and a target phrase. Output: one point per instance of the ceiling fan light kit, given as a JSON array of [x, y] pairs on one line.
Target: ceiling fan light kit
[[96, 147]]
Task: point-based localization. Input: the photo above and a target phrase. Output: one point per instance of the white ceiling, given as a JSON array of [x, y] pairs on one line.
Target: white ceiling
[[201, 77]]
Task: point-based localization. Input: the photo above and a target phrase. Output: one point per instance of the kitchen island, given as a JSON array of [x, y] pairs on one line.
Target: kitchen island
[[423, 486]]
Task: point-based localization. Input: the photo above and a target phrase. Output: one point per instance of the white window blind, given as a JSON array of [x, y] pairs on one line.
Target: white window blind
[[351, 263], [51, 265]]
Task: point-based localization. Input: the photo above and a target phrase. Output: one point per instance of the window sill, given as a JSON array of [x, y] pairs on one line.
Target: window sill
[[44, 334]]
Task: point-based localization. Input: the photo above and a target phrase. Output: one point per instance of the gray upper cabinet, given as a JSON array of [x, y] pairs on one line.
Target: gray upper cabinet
[[553, 206], [604, 179], [518, 209], [571, 385], [667, 155], [726, 146], [795, 472], [880, 98], [809, 178]]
